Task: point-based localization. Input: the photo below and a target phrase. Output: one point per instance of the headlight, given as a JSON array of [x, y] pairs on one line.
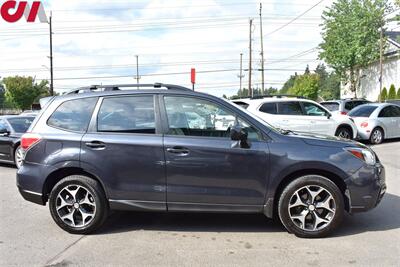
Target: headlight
[[363, 154]]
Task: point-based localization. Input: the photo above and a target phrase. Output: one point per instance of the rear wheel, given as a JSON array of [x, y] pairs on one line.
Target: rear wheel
[[18, 157], [78, 204], [376, 137], [311, 207], [344, 133]]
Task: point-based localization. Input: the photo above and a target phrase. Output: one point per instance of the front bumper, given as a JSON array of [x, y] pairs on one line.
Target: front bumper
[[366, 188]]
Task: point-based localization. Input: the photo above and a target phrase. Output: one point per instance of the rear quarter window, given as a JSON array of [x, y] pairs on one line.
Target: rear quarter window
[[269, 108], [73, 115], [331, 106]]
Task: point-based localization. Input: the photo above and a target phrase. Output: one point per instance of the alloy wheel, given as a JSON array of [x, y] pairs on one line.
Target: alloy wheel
[[377, 137], [344, 134], [19, 157], [312, 208], [76, 206]]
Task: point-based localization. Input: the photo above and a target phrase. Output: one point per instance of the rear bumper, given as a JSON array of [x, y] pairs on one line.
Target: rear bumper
[[366, 188]]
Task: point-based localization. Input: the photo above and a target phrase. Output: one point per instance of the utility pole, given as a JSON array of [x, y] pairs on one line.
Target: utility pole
[[137, 69], [262, 52], [381, 66], [250, 58], [51, 56], [241, 76]]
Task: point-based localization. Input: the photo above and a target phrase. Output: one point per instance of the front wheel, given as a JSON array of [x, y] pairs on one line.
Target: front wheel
[[78, 204], [311, 206]]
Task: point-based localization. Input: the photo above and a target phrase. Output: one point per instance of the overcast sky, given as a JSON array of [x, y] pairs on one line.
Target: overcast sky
[[99, 39]]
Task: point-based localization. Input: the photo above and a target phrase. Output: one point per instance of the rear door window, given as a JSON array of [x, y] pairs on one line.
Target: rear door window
[[349, 105], [269, 108], [290, 108], [133, 114], [73, 115]]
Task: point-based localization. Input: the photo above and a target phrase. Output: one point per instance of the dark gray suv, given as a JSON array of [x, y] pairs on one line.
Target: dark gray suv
[[167, 148]]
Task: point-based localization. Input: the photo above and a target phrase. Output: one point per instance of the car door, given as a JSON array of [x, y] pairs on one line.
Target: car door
[[320, 122], [291, 116], [5, 142], [205, 169], [387, 118], [396, 112], [124, 148]]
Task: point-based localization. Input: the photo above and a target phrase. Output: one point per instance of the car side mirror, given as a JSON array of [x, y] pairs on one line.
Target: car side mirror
[[240, 135], [329, 115], [4, 132]]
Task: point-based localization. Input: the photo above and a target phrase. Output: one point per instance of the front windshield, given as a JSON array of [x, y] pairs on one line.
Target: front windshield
[[21, 124]]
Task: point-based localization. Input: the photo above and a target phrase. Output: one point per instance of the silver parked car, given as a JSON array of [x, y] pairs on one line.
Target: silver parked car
[[344, 106], [376, 122]]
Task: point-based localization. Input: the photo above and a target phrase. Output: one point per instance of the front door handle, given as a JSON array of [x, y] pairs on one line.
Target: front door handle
[[180, 151], [95, 145]]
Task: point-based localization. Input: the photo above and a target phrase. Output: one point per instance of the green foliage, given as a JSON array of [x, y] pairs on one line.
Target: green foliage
[[398, 93], [329, 83], [22, 92], [306, 85], [392, 92], [351, 35], [384, 94], [288, 84]]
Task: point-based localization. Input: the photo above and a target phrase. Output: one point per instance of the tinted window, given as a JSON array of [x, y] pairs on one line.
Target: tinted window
[[127, 115], [358, 103], [3, 125], [390, 112], [196, 117], [269, 108], [289, 108], [21, 124], [396, 111], [73, 115], [364, 111], [331, 106], [242, 104], [349, 105]]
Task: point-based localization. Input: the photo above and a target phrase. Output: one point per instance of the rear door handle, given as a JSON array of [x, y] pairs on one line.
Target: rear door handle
[[95, 145], [180, 151]]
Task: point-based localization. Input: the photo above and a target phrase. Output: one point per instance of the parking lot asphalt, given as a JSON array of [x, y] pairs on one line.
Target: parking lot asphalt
[[28, 236]]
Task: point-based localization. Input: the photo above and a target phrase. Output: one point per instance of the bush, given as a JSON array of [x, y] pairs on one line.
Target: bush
[[383, 95], [392, 92]]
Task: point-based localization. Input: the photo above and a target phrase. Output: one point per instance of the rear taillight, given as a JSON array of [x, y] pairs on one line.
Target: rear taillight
[[364, 124], [343, 113], [28, 140]]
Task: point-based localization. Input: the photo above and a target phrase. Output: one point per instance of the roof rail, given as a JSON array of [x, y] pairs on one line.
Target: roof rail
[[277, 96], [118, 87]]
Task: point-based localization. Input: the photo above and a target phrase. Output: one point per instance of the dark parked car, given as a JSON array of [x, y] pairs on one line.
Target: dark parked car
[[137, 150], [11, 130]]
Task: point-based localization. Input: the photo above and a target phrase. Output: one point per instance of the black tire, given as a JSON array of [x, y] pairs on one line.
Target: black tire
[[298, 184], [376, 141], [344, 132], [98, 198]]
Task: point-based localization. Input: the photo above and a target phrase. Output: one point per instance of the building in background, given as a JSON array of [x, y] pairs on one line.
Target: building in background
[[368, 86]]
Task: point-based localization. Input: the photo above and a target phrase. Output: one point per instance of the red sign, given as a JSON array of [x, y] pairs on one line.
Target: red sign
[[193, 76], [22, 9]]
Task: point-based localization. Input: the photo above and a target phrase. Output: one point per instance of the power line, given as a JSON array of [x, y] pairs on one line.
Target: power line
[[296, 18]]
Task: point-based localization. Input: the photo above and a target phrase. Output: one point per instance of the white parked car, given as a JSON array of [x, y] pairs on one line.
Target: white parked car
[[301, 115]]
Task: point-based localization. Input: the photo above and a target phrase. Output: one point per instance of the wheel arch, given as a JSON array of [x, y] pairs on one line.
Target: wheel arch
[[54, 177], [346, 126], [335, 178]]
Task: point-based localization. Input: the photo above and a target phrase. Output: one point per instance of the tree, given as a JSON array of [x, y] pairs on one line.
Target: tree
[[398, 93], [392, 92], [329, 83], [22, 92], [288, 84], [351, 35], [384, 94], [306, 85]]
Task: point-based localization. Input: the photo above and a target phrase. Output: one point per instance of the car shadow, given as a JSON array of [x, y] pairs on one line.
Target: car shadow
[[8, 165], [385, 217]]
